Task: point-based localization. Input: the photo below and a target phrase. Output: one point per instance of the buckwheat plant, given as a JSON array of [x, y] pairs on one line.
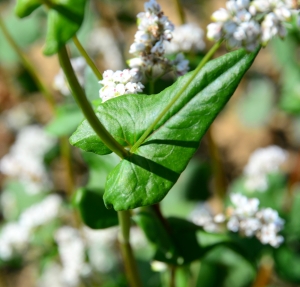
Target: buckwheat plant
[[90, 211]]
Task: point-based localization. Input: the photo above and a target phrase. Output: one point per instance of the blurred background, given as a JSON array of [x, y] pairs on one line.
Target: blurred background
[[39, 170]]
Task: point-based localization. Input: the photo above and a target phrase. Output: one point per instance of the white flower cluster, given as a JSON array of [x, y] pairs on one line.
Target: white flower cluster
[[74, 245], [248, 220], [61, 84], [120, 83], [249, 24], [186, 38], [101, 40], [154, 30], [262, 162], [202, 216], [19, 116], [244, 217], [25, 158], [72, 253], [15, 237], [41, 213]]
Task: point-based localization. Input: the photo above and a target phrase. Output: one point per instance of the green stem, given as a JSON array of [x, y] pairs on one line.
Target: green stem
[[176, 97], [87, 58], [86, 107], [180, 11], [66, 157], [218, 171], [129, 261], [172, 276], [42, 87]]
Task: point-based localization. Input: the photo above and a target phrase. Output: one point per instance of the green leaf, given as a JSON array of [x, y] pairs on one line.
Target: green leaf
[[147, 175], [66, 120], [175, 240], [99, 168], [92, 209], [287, 263], [64, 20], [25, 7]]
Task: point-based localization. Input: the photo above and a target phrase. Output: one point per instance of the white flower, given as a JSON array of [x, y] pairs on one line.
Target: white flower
[[249, 24], [14, 239], [100, 245], [233, 224], [19, 116], [246, 218], [262, 162], [25, 159], [41, 213], [181, 65], [202, 216], [154, 30], [60, 82], [214, 31], [120, 83], [72, 254], [186, 38], [101, 40]]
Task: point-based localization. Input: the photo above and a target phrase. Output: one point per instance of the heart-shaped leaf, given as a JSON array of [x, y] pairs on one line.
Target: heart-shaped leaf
[[92, 209], [64, 20], [146, 176]]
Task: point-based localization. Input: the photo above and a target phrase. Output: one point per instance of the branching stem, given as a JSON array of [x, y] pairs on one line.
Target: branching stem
[[176, 97], [88, 59], [86, 107]]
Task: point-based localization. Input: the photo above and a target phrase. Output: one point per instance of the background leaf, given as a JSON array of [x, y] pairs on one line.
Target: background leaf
[[64, 20], [92, 209]]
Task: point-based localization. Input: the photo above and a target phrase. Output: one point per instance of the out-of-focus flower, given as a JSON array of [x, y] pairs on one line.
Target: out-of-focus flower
[[51, 276], [19, 116], [41, 213], [249, 24], [180, 64], [202, 216], [262, 162], [100, 248], [14, 240], [61, 84], [248, 220], [119, 83], [25, 159], [101, 40], [244, 217], [72, 254], [186, 38]]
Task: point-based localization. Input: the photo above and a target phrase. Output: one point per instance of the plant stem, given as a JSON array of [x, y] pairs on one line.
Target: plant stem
[[264, 273], [218, 171], [87, 58], [172, 276], [66, 157], [86, 107], [129, 261], [180, 11], [42, 87], [176, 97]]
